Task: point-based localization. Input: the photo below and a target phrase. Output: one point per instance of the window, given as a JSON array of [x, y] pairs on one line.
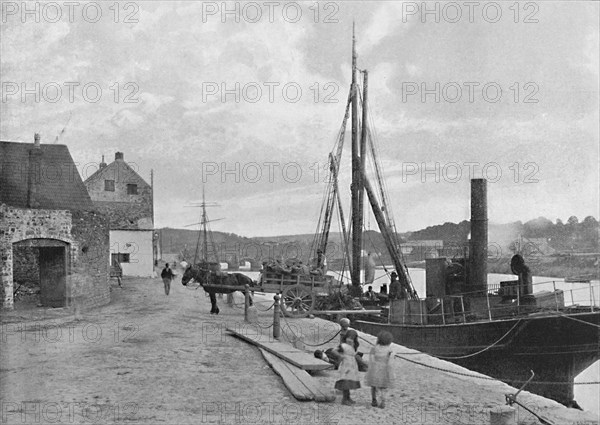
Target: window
[[119, 258], [132, 189], [109, 185]]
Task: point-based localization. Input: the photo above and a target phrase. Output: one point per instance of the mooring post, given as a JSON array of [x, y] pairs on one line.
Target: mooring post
[[276, 325], [246, 302]]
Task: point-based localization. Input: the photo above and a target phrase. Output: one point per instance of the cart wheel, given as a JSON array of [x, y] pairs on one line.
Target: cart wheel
[[297, 301]]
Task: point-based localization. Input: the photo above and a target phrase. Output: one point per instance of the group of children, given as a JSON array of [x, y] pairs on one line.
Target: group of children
[[379, 373]]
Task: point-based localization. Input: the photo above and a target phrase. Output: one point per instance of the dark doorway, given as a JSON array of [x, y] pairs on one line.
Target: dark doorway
[[53, 277], [40, 269]]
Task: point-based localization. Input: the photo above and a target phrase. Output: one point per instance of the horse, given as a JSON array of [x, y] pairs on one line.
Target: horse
[[204, 276]]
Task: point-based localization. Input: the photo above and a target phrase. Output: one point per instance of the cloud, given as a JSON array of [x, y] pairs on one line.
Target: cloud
[[173, 55]]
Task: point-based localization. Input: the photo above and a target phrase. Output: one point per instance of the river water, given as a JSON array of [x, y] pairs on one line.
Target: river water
[[574, 293]]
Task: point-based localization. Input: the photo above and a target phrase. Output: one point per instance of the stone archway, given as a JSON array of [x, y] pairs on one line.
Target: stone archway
[[50, 267]]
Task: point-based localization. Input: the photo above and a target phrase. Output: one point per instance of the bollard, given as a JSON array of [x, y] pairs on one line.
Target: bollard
[[246, 303], [276, 325]]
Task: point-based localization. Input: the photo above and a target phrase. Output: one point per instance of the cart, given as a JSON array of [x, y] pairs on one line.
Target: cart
[[299, 292]]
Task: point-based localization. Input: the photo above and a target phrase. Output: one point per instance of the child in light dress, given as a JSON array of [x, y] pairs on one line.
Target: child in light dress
[[348, 368], [380, 374]]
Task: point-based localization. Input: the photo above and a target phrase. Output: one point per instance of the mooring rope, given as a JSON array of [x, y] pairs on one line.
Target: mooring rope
[[487, 378], [305, 343], [558, 313], [485, 349], [267, 309]]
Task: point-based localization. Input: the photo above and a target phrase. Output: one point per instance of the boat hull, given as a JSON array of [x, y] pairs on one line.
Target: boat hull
[[557, 347]]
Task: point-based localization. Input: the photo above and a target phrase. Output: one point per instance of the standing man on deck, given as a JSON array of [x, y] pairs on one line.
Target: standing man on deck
[[518, 267], [319, 266], [395, 288]]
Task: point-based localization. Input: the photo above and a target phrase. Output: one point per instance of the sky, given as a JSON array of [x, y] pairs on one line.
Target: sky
[[246, 99]]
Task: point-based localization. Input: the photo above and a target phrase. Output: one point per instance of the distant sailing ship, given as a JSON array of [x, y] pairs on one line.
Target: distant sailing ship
[[503, 332]]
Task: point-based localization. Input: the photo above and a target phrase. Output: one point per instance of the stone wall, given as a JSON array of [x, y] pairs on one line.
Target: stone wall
[[127, 215], [125, 211], [26, 267], [26, 273], [87, 235], [90, 271]]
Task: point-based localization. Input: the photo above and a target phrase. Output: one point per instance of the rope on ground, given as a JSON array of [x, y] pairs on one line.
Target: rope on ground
[[487, 378]]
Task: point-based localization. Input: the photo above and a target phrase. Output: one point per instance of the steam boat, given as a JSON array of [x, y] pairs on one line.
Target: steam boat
[[504, 331]]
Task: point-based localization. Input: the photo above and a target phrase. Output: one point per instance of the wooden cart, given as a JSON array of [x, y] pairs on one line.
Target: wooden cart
[[299, 292]]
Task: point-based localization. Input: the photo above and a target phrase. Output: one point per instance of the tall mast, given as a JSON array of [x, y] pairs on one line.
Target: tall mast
[[204, 222], [363, 157], [356, 187]]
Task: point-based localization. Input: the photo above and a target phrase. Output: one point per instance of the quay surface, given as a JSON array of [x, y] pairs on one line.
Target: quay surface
[[151, 359]]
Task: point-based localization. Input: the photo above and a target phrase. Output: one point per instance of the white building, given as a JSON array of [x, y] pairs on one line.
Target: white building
[[118, 191]]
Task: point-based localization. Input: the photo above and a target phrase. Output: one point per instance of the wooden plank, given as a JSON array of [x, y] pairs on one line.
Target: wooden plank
[[297, 381], [291, 381], [290, 354]]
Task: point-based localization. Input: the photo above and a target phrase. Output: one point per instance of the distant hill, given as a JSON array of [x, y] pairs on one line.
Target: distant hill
[[574, 236]]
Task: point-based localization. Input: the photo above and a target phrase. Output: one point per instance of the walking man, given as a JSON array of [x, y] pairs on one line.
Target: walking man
[[167, 276]]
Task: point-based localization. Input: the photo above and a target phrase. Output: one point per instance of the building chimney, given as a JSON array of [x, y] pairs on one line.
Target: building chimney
[[34, 173], [102, 164], [479, 236], [118, 156]]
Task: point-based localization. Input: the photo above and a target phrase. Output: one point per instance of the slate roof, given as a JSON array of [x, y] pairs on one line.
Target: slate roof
[[58, 183], [118, 168]]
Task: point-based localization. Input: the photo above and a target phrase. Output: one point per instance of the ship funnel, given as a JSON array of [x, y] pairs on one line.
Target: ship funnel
[[479, 235]]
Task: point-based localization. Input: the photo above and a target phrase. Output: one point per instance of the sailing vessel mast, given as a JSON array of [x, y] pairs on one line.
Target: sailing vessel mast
[[204, 222], [360, 183], [356, 188], [204, 234]]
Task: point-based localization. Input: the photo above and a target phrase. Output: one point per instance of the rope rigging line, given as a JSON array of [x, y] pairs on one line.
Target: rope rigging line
[[328, 202], [383, 198]]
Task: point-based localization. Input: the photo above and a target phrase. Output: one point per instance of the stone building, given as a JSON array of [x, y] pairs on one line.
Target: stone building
[[52, 242], [119, 192]]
